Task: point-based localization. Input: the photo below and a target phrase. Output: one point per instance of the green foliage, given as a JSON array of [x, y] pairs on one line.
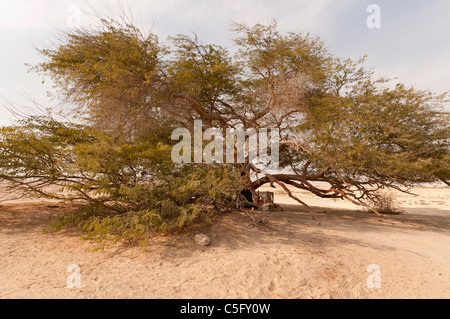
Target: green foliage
[[109, 74], [174, 203], [381, 133]]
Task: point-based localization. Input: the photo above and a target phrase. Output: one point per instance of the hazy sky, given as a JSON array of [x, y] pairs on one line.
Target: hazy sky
[[412, 44]]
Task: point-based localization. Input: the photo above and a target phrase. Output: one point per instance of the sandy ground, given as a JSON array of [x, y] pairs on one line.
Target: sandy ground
[[291, 256]]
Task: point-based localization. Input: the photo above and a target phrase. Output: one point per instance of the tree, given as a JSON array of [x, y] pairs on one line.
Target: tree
[[338, 123]]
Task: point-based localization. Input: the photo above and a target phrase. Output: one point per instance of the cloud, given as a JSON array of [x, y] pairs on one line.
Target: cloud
[[20, 14], [431, 75]]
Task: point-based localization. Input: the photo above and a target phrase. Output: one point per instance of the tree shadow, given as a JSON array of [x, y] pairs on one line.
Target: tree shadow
[[21, 218], [295, 226]]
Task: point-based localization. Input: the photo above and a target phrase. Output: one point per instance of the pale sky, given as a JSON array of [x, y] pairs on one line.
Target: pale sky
[[412, 44]]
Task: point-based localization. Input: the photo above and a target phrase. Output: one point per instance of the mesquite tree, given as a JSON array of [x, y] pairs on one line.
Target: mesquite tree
[[338, 124]]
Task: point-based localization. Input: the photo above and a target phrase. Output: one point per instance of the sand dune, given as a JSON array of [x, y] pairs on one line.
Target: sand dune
[[291, 256]]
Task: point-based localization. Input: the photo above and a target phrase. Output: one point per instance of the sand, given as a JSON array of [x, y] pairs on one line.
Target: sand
[[291, 256]]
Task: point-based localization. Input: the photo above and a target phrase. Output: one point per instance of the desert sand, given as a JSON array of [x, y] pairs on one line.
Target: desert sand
[[290, 256]]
